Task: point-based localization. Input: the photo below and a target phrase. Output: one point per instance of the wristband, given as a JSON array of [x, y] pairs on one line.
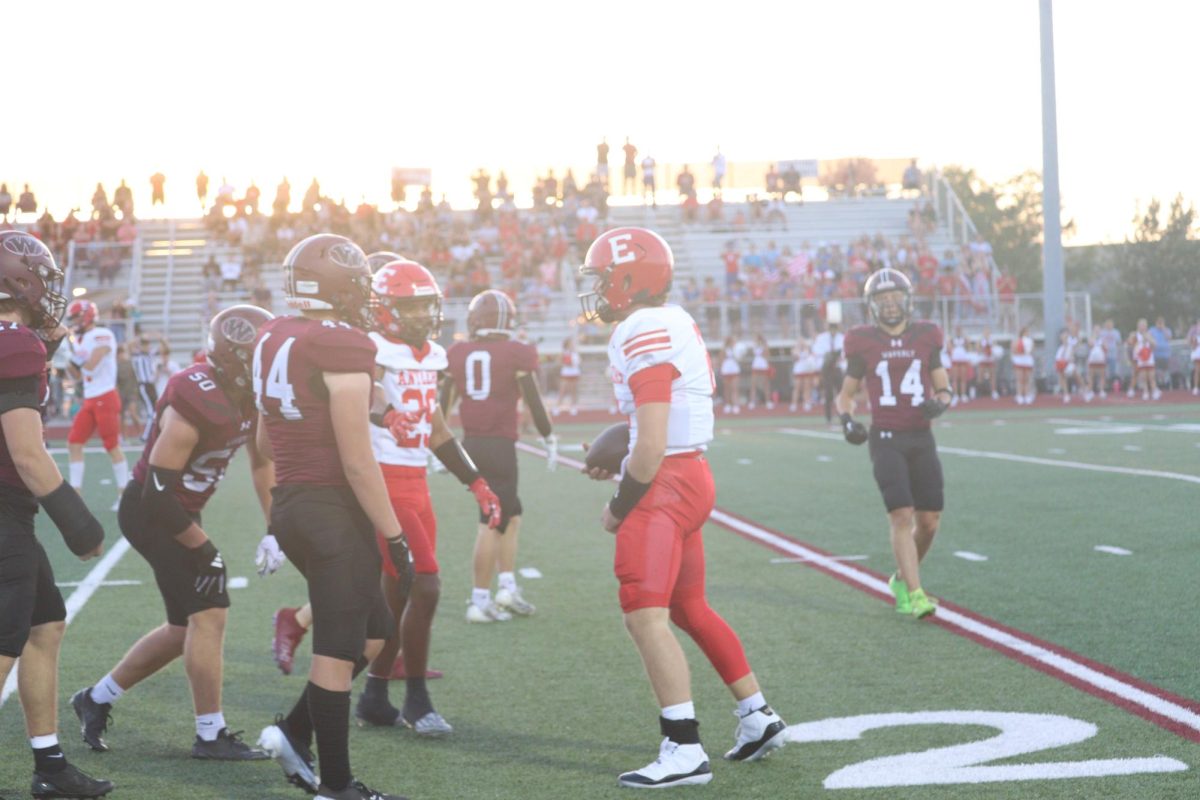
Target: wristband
[[629, 493]]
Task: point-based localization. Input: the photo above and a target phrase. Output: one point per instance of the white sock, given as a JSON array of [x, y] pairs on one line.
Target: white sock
[[680, 711], [121, 473], [106, 690], [76, 473], [42, 742], [507, 581], [209, 725], [481, 598], [751, 703]]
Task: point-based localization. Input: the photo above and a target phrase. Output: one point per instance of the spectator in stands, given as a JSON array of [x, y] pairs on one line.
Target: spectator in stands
[[715, 215], [231, 273], [166, 366], [1162, 351], [5, 201], [1006, 291], [202, 189], [648, 185], [261, 296], [127, 388], [686, 182], [1022, 361], [911, 181], [100, 207], [718, 167], [156, 189], [771, 181], [123, 199], [710, 295], [630, 167], [736, 296], [27, 203], [602, 162], [790, 184], [283, 198], [731, 375], [312, 196], [253, 193]]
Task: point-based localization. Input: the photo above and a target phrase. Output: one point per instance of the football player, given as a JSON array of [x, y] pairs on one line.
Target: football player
[[32, 613], [490, 373], [205, 415], [901, 361], [94, 361], [407, 426], [663, 380], [312, 378]]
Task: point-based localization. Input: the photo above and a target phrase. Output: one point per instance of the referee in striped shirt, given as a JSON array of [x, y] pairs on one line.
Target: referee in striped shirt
[[145, 369]]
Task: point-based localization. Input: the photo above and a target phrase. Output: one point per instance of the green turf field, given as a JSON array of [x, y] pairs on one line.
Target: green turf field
[[557, 705]]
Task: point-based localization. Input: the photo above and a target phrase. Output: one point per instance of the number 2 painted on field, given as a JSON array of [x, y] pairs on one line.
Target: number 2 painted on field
[[910, 384], [1020, 734]]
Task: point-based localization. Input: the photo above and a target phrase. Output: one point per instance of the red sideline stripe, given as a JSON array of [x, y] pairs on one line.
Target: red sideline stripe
[[1178, 728], [633, 340]]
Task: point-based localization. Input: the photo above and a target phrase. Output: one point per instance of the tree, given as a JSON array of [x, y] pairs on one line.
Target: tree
[[1009, 216], [1157, 271]]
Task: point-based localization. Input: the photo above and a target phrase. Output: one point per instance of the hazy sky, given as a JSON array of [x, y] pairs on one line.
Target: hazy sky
[[346, 90]]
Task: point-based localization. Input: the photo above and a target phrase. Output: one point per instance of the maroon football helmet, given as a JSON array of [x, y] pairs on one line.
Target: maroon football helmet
[[381, 257], [628, 266], [327, 272], [491, 313], [29, 276], [231, 336]]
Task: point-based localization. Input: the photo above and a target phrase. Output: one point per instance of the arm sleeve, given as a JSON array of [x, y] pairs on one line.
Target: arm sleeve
[[856, 363], [533, 398], [936, 344], [653, 384], [20, 393]]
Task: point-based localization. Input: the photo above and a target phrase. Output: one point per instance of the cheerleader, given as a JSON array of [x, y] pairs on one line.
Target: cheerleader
[[731, 374], [1064, 365], [960, 367], [1022, 361], [805, 370], [760, 373], [1097, 367], [1141, 346], [568, 378], [985, 374]]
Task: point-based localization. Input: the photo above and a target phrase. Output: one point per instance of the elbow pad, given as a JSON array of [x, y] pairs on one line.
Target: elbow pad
[[455, 458], [162, 508], [533, 399], [79, 527]]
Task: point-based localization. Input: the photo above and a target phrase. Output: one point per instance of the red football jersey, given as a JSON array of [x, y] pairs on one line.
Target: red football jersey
[[896, 370], [485, 377], [22, 355], [223, 425], [290, 357]]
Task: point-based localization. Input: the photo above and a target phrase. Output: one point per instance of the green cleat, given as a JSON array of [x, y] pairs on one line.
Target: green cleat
[[900, 590], [922, 606]]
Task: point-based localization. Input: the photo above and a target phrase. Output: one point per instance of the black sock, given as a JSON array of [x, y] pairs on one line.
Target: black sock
[[299, 724], [680, 731], [48, 760], [330, 713], [416, 699], [377, 688]]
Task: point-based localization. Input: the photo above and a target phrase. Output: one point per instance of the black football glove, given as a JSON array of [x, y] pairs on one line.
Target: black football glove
[[854, 431], [210, 570], [401, 558], [933, 408]]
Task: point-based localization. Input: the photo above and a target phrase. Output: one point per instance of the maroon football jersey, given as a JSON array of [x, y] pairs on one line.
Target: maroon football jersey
[[22, 355], [224, 426], [290, 357], [485, 377], [896, 370]]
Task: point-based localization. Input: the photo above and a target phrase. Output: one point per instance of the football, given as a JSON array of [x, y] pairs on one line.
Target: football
[[609, 449]]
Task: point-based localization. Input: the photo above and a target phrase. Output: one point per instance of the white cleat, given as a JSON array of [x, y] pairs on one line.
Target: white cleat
[[758, 734], [514, 603], [299, 771], [432, 725], [1157, 395], [676, 765], [491, 613]]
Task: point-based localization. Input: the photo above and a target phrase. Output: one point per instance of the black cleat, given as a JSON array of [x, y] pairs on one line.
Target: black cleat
[[93, 718], [227, 747], [355, 791], [69, 782], [376, 711]]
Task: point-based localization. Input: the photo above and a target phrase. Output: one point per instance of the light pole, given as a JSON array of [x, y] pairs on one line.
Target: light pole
[[1053, 291]]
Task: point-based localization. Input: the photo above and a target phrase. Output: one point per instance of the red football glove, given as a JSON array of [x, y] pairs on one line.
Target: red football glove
[[401, 424], [488, 502]]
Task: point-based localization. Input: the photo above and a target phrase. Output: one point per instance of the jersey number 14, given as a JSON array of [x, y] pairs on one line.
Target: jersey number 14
[[910, 384]]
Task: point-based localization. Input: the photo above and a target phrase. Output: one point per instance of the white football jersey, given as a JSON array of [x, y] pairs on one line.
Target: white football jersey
[[102, 379], [666, 335], [410, 385]]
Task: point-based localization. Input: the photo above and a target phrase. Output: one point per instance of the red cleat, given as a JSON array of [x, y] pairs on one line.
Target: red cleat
[[399, 675], [288, 634]]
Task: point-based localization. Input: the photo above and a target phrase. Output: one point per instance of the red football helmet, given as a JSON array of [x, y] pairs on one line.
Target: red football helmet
[[629, 265], [29, 276], [231, 336], [81, 315], [329, 272], [381, 257], [407, 302], [491, 313]]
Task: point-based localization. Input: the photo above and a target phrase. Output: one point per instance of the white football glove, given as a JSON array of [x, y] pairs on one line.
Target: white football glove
[[551, 444], [268, 557]]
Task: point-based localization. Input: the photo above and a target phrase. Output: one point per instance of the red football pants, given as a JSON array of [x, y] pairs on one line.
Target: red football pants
[[409, 494], [103, 414]]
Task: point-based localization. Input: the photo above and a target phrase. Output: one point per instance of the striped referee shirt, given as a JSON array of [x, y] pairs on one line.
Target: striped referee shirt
[[144, 367]]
